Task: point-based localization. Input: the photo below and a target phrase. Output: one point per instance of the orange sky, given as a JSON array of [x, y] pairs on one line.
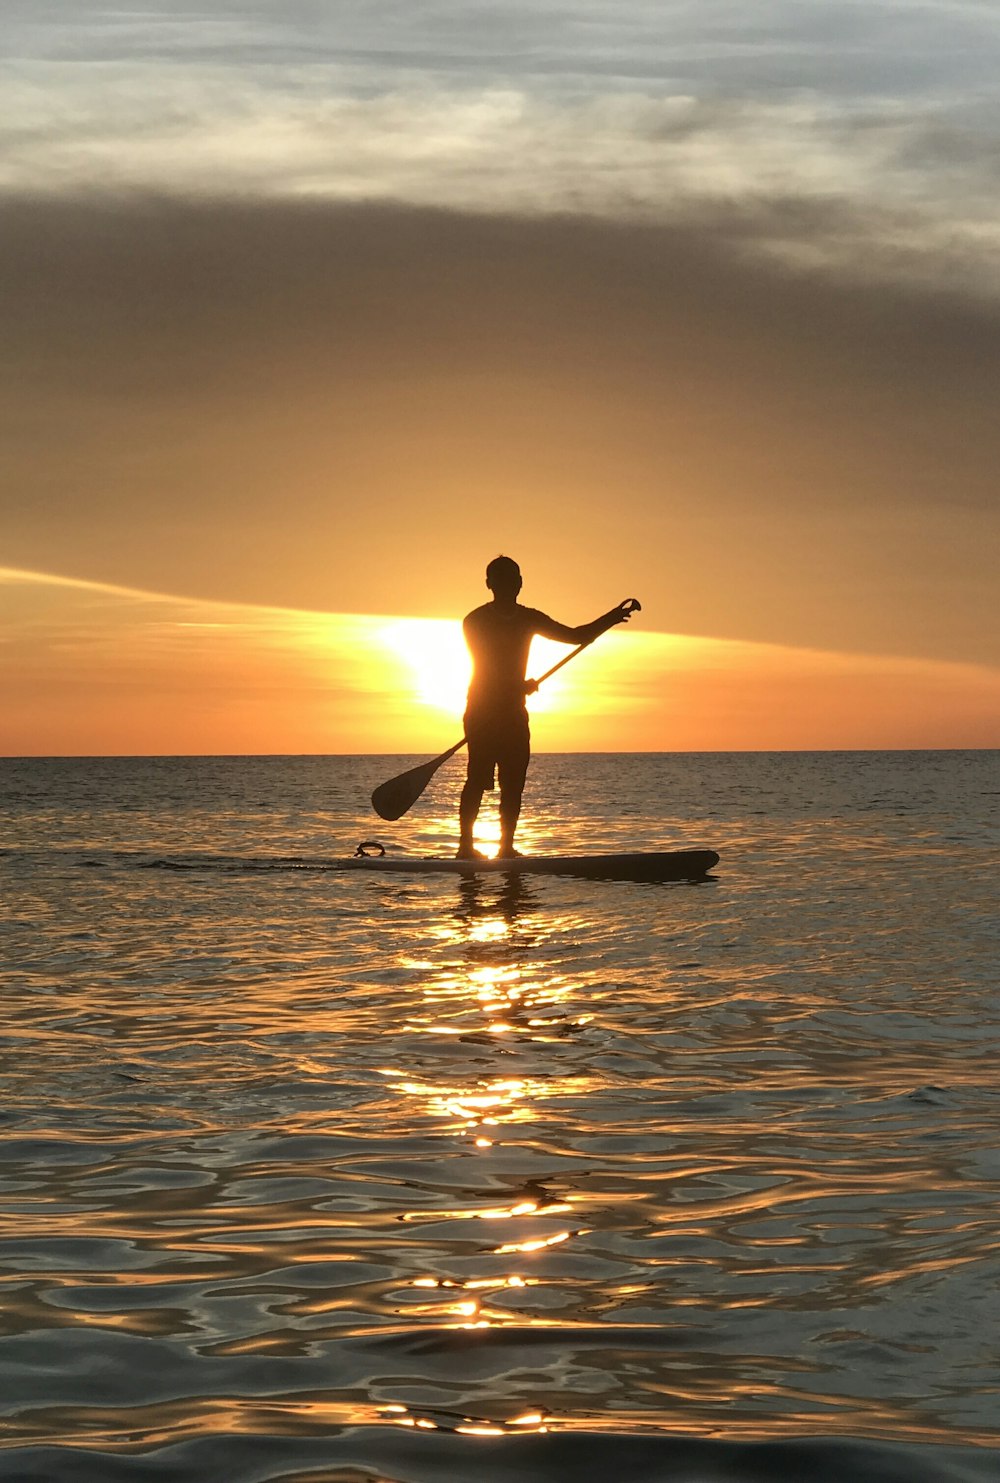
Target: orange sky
[[354, 408], [96, 670], [310, 313]]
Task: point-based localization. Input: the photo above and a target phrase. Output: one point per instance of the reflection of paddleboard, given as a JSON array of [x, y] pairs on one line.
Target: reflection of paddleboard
[[670, 865]]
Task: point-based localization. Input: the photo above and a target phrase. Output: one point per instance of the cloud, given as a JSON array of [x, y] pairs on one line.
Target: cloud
[[883, 118], [503, 148], [512, 110], [829, 45]]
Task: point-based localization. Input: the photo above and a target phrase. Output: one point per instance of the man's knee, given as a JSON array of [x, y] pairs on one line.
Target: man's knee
[[512, 780]]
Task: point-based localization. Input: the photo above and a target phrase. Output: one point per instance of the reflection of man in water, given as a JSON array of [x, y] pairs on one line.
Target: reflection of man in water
[[499, 636]]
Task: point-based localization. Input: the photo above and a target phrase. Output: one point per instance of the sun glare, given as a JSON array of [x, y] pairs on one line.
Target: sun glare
[[434, 651]]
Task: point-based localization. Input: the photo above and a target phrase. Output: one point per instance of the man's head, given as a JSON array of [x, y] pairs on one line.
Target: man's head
[[503, 577]]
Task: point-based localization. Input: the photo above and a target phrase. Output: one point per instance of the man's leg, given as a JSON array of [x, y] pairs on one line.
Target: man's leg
[[478, 779], [511, 794], [513, 770], [468, 813]]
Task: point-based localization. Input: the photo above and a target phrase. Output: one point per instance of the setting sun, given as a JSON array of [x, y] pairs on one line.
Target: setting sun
[[434, 652], [436, 657]]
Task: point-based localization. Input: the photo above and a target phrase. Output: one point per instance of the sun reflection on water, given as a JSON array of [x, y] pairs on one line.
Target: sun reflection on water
[[432, 1419], [476, 983], [484, 987], [484, 1104]]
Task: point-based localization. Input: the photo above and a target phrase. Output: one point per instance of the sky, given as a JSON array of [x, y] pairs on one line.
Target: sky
[[310, 310]]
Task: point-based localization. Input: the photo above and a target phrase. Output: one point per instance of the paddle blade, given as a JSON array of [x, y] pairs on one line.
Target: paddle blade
[[393, 799]]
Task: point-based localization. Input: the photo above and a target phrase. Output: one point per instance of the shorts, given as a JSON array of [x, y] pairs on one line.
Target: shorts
[[498, 744]]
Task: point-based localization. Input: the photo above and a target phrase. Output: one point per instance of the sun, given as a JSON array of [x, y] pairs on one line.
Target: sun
[[434, 651]]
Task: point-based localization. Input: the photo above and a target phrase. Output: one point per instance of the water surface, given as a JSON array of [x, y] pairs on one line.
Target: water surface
[[311, 1175]]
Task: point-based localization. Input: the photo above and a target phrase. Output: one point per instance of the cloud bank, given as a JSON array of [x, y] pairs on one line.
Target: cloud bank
[[882, 119]]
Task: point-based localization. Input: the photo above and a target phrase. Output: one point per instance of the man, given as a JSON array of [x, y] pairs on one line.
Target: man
[[499, 636]]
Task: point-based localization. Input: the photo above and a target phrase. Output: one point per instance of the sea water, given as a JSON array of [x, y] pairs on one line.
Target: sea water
[[320, 1176]]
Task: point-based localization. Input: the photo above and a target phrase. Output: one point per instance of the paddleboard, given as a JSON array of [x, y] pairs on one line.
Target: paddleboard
[[669, 865]]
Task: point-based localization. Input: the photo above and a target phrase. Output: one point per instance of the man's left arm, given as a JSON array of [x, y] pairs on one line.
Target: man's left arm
[[586, 633]]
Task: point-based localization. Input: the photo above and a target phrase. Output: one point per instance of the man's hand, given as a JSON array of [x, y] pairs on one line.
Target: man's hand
[[627, 608], [530, 686]]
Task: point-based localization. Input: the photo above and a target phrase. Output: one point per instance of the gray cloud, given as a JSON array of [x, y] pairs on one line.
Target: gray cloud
[[637, 109], [886, 46], [911, 191]]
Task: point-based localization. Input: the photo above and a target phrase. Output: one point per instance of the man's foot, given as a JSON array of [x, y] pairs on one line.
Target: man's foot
[[467, 852], [508, 852]]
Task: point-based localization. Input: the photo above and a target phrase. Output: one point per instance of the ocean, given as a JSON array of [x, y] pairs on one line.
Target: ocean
[[330, 1177]]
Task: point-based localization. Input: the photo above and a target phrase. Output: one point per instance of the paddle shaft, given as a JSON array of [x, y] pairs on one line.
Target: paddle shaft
[[564, 660]]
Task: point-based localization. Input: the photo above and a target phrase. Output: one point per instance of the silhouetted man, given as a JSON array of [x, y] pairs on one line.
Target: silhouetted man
[[499, 636]]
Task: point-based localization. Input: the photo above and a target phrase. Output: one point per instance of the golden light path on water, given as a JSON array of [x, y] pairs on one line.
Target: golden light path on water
[[473, 1000]]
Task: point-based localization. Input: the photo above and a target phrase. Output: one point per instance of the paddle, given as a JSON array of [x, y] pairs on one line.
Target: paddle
[[393, 799]]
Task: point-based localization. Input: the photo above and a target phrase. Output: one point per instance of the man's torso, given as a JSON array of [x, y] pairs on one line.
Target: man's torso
[[499, 638]]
